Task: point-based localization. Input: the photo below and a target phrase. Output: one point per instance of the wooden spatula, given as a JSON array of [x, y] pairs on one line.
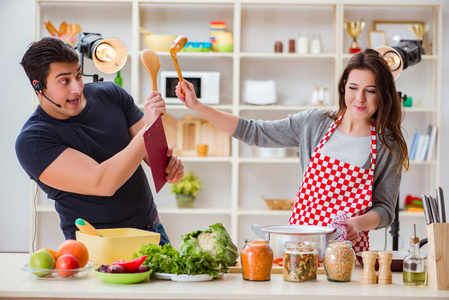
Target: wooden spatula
[[151, 63], [175, 47]]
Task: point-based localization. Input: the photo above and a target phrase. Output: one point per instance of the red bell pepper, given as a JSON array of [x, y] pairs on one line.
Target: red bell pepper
[[132, 265]]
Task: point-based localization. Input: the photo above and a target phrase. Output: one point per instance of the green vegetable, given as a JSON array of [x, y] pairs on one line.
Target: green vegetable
[[214, 241]]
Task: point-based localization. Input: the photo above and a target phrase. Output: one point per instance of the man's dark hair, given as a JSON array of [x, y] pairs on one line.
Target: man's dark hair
[[39, 55]]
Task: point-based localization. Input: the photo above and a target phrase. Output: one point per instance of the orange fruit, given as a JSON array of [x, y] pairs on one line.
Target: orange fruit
[[50, 251], [76, 248]]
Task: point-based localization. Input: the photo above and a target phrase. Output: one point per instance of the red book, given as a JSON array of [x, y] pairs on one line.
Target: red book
[[156, 146]]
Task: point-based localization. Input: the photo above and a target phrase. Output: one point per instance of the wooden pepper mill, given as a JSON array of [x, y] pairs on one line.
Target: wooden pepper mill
[[384, 274], [369, 272]]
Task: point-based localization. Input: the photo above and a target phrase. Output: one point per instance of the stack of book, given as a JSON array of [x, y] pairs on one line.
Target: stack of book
[[423, 145]]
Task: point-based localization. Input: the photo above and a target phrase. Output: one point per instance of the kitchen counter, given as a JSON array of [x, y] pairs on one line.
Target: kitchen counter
[[18, 284]]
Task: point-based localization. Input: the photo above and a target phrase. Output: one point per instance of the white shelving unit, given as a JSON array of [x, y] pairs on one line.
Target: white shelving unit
[[232, 185]]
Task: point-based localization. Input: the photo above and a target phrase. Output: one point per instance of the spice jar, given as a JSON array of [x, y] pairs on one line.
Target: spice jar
[[257, 260], [339, 261], [300, 262], [278, 47]]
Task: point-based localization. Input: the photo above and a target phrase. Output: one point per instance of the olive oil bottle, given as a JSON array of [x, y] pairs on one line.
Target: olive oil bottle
[[414, 268]]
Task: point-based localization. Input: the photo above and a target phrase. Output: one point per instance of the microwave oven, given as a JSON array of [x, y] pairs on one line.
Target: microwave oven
[[207, 86]]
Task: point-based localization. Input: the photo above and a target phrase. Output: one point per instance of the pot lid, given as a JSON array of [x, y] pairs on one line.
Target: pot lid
[[297, 229]]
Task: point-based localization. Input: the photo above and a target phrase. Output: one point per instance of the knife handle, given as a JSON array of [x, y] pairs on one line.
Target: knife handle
[[441, 207], [434, 209], [426, 207]]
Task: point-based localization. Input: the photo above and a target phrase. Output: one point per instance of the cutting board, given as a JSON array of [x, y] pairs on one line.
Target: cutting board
[[276, 269]]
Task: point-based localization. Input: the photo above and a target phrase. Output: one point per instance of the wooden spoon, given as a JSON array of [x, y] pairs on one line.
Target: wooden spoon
[[150, 61], [175, 47]]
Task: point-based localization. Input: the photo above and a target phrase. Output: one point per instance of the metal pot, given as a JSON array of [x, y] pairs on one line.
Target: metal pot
[[279, 234]]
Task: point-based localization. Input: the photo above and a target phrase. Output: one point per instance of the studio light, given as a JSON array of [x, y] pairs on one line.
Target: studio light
[[405, 54], [108, 54]]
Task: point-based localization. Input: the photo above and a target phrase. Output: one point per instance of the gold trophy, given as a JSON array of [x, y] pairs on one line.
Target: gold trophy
[[419, 30], [354, 29]]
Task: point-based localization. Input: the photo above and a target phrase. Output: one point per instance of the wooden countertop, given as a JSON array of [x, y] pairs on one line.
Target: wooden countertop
[[18, 284]]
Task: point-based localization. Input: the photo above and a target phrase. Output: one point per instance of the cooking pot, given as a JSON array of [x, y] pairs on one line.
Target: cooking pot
[[279, 234]]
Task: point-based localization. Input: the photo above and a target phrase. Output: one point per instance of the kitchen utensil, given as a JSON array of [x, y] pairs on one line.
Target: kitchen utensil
[[434, 209], [396, 261], [177, 45], [426, 207], [151, 62], [279, 234], [116, 243], [441, 206], [85, 227]]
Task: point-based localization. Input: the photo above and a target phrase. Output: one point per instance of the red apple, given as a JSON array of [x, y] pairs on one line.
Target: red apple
[[67, 262]]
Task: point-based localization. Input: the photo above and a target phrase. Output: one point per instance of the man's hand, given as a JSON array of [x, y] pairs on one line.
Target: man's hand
[[175, 168], [154, 106]]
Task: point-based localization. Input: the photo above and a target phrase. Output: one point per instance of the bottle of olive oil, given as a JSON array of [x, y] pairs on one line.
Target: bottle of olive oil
[[414, 268]]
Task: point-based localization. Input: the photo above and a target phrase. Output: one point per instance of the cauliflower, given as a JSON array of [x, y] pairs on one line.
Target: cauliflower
[[214, 241]]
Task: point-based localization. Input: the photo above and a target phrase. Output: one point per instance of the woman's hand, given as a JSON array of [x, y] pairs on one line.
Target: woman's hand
[[154, 106], [175, 168], [352, 231], [189, 99]]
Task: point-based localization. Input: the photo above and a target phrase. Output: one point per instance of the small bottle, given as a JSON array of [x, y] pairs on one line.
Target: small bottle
[[291, 46], [315, 44], [300, 262], [303, 44], [118, 80], [414, 267], [257, 260], [278, 47]]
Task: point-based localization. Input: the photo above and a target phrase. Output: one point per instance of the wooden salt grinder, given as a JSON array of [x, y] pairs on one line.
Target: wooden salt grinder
[[369, 272], [384, 274]]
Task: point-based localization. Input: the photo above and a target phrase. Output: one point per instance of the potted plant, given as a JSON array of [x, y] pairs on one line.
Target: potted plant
[[186, 190]]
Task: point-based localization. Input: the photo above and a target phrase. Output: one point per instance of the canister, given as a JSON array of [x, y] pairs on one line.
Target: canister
[[300, 261], [257, 260]]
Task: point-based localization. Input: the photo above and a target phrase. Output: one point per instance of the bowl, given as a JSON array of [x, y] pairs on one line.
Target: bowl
[[123, 278], [116, 243], [52, 274], [225, 48], [159, 42], [396, 262]]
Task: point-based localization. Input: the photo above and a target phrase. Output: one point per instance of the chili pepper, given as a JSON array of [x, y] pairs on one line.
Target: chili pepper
[[279, 261], [132, 265]]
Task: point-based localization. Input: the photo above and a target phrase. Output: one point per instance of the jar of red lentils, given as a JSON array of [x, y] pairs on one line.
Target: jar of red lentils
[[257, 260]]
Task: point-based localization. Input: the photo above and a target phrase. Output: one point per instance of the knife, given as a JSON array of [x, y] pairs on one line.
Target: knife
[[427, 213], [440, 203], [434, 209]]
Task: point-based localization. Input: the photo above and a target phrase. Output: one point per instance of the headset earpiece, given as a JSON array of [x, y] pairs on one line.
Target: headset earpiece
[[38, 87]]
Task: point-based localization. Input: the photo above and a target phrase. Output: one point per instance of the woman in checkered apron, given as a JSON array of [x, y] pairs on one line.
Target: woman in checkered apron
[[352, 158]]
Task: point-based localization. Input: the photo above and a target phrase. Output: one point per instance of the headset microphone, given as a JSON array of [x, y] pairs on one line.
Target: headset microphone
[[38, 88]]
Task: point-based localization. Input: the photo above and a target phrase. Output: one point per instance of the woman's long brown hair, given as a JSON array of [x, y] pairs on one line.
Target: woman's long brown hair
[[389, 115]]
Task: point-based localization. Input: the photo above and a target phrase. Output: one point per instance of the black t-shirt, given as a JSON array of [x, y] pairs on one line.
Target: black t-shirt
[[99, 131]]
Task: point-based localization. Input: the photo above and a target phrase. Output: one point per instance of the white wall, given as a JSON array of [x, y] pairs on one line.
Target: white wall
[[16, 27]]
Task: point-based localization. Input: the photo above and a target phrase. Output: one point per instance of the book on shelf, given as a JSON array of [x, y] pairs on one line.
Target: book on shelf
[[423, 145]]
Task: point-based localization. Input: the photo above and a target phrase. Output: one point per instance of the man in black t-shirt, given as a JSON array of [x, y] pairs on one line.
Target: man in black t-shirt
[[84, 144]]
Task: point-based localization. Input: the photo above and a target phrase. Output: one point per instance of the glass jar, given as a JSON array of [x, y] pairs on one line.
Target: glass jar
[[300, 262], [339, 261], [257, 260]]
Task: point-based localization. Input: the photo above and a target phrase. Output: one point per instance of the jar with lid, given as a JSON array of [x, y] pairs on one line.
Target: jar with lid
[[414, 265], [339, 261], [300, 261], [257, 260]]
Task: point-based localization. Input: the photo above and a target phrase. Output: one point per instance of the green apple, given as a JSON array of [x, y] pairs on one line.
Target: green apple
[[42, 259]]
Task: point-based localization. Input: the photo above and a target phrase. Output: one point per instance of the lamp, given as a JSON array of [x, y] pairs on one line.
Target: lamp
[[406, 53], [108, 54]]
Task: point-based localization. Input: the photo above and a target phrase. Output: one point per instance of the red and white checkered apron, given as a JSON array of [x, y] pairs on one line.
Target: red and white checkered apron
[[330, 185]]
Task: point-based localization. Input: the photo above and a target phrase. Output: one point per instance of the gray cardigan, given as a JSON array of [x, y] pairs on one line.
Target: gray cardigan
[[305, 130]]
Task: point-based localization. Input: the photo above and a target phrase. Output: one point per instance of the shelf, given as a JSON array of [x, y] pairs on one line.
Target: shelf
[[269, 160], [194, 211], [287, 55], [283, 107]]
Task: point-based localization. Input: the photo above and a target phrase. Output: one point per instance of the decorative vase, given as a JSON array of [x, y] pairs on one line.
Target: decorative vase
[[185, 201]]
